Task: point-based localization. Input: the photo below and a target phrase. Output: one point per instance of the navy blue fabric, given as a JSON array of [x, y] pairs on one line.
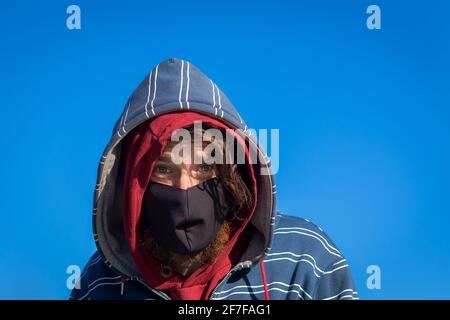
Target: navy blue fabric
[[303, 264]]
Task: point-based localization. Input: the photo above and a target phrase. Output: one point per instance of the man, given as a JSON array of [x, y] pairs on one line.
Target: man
[[167, 227]]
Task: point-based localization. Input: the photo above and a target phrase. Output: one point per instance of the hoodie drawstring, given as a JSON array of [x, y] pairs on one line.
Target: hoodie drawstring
[[263, 273], [122, 284]]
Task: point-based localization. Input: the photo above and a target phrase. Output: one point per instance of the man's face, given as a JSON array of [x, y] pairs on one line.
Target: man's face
[[185, 175]]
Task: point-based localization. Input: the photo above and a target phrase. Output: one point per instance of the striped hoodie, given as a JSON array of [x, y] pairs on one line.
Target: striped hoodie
[[287, 257]]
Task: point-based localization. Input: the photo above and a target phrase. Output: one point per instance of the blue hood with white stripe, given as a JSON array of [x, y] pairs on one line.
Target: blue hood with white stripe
[[301, 262]]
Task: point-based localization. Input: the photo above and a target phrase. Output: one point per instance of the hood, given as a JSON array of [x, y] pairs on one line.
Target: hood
[[173, 85]]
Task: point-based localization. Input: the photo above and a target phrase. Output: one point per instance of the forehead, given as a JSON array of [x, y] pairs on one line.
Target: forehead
[[186, 150], [188, 145]]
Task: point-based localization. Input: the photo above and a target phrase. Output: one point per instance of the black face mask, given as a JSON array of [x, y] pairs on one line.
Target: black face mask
[[184, 221]]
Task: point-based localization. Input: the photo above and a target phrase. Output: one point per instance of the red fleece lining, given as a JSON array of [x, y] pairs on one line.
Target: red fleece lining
[[142, 147]]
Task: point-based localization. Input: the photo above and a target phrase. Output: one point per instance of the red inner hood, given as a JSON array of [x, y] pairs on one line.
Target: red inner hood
[[142, 147]]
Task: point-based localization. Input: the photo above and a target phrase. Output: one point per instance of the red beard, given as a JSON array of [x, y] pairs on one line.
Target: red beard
[[186, 264]]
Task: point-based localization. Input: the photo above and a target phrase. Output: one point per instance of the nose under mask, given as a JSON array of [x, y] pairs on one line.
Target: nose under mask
[[184, 220]]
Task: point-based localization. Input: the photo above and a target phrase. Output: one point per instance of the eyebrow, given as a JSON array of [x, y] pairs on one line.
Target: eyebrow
[[165, 158]]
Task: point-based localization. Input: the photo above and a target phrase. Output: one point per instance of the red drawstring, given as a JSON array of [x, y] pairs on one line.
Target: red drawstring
[[263, 272]]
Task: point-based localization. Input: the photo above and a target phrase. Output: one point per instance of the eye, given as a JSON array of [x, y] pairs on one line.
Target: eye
[[161, 169], [205, 168]]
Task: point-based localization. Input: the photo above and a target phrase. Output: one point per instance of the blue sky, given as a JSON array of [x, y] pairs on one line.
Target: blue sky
[[363, 118]]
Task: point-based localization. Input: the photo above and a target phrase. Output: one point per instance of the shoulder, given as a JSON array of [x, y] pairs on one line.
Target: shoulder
[[100, 282], [300, 243], [96, 267], [94, 273], [296, 234]]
